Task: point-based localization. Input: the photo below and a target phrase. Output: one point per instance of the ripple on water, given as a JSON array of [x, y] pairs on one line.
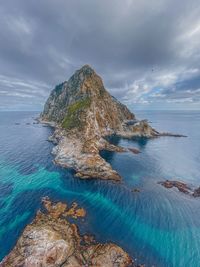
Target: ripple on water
[[157, 225]]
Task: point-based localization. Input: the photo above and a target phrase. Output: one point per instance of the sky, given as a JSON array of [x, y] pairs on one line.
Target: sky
[[146, 51]]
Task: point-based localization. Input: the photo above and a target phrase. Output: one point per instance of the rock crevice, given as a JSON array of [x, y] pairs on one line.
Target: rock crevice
[[51, 240]]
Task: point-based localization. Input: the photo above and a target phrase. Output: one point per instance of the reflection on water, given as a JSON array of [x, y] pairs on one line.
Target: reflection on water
[[156, 225]]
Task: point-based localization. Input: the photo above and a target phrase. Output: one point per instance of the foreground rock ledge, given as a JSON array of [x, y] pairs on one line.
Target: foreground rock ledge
[[51, 240], [83, 114]]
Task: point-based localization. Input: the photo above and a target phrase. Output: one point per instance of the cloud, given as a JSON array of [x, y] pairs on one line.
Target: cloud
[[18, 93], [146, 51]]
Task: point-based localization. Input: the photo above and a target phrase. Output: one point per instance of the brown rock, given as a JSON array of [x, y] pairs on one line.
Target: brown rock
[[135, 190], [55, 210], [51, 241], [134, 150], [182, 187], [84, 113], [80, 212], [75, 212], [89, 239], [196, 192], [107, 255]]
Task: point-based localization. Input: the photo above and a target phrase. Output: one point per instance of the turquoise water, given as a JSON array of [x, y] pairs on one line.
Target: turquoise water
[[156, 226]]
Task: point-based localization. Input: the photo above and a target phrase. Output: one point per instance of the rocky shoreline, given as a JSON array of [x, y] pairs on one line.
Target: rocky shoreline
[[83, 114], [51, 240], [83, 156]]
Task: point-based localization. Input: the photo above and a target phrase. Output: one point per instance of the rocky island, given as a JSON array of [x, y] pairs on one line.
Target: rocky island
[[83, 114], [51, 240]]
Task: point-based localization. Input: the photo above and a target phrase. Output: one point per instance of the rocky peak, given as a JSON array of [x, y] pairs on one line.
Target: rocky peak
[[84, 113], [86, 70], [87, 82], [83, 102]]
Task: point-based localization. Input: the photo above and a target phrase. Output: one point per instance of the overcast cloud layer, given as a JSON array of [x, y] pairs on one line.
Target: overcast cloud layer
[[147, 52]]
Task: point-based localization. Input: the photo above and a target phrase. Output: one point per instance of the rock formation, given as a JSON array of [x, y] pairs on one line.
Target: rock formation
[[51, 240], [83, 113], [196, 192], [182, 187]]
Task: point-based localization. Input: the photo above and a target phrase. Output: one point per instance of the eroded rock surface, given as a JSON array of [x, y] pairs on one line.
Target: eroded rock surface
[[196, 192], [83, 113], [51, 240], [182, 187]]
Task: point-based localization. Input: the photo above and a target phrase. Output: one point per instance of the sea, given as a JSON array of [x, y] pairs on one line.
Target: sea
[[156, 226]]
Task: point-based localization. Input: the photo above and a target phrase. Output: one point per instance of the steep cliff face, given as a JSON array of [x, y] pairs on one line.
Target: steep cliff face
[[84, 113], [82, 103]]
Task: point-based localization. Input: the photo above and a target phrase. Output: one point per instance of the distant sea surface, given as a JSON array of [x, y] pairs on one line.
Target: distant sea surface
[[156, 226]]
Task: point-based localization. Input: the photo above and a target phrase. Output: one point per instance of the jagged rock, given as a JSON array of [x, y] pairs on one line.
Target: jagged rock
[[75, 212], [50, 240], [196, 192], [135, 190], [83, 103], [83, 113], [134, 150], [88, 239], [182, 187]]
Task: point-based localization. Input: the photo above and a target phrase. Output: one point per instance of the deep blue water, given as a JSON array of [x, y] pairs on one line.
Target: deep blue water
[[157, 226]]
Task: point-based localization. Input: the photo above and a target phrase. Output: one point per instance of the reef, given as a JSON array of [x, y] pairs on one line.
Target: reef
[[182, 187]]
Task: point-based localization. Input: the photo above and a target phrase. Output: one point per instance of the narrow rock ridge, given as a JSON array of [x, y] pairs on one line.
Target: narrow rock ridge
[[51, 240], [83, 113], [182, 187]]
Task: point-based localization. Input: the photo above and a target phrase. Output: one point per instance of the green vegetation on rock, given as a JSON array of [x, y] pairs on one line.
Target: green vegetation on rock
[[72, 118]]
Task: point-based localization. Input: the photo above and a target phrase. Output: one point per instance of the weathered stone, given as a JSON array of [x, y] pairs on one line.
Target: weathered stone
[[182, 187], [196, 192], [50, 240], [83, 113], [134, 150], [135, 190]]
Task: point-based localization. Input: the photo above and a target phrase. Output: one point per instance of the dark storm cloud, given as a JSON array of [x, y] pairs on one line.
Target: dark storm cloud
[[146, 51]]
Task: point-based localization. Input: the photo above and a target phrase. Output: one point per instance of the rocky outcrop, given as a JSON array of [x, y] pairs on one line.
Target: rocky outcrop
[[182, 187], [83, 113], [51, 240], [196, 192]]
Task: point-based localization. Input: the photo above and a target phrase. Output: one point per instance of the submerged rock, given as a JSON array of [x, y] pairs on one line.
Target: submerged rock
[[134, 150], [196, 192], [84, 113], [135, 190], [51, 240], [182, 187]]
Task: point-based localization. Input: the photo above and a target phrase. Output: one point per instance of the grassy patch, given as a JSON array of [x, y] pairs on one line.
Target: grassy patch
[[72, 118]]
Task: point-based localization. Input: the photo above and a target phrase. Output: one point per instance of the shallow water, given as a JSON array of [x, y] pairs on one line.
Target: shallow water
[[157, 226]]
